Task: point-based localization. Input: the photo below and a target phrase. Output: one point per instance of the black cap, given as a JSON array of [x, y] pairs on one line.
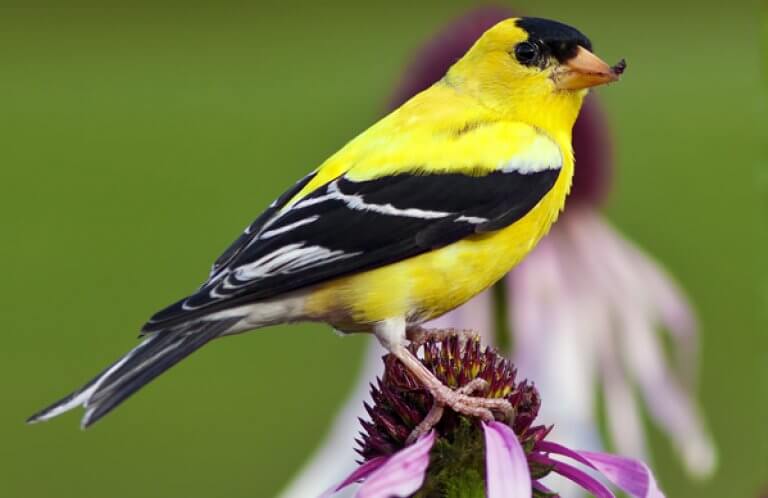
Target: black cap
[[559, 40]]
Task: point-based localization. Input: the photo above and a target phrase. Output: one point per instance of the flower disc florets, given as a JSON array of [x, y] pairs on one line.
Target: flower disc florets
[[451, 455], [400, 402]]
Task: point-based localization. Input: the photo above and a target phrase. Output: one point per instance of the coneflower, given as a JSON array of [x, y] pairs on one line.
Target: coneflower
[[457, 456]]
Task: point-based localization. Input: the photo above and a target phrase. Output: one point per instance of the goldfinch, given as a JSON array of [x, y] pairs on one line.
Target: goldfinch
[[415, 216]]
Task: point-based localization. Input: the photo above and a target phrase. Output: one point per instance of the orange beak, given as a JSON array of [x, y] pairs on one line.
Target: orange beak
[[585, 70]]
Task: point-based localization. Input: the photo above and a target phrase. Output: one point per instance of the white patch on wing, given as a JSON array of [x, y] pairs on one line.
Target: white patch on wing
[[215, 294], [289, 259], [215, 275], [542, 154], [188, 307], [357, 202], [475, 220], [287, 228], [315, 200]]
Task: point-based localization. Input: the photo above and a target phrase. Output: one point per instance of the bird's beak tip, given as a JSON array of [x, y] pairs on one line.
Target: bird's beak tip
[[585, 70], [619, 68]]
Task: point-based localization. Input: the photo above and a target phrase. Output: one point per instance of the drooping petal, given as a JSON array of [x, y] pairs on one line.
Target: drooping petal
[[402, 474], [623, 418], [559, 449], [630, 475], [580, 477], [507, 473], [557, 321], [583, 479], [669, 404], [532, 288], [358, 474], [675, 311], [600, 286], [633, 288], [655, 292], [538, 486]]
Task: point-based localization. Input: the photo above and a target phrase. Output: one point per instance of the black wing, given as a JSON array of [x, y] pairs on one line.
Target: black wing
[[348, 226]]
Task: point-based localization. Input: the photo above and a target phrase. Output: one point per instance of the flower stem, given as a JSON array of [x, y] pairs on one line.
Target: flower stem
[[501, 332], [457, 466]]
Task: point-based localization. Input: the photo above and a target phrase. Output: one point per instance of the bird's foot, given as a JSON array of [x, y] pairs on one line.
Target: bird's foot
[[461, 402], [389, 333]]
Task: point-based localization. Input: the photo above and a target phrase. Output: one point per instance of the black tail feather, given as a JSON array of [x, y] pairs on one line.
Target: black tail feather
[[159, 352]]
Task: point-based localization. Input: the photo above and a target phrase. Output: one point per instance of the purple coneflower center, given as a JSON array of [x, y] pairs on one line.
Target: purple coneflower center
[[400, 403]]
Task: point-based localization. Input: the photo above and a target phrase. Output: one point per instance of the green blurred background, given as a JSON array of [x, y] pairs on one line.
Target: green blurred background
[[136, 143]]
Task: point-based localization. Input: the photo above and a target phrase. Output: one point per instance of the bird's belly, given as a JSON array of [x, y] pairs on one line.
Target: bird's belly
[[426, 286]]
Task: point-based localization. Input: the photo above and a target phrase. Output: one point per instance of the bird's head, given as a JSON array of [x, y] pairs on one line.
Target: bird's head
[[535, 70]]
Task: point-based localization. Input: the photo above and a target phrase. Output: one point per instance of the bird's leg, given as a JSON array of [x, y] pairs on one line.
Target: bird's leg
[[431, 420], [392, 333]]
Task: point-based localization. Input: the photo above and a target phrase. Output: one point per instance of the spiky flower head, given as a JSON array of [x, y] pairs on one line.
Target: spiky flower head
[[462, 456], [400, 403]]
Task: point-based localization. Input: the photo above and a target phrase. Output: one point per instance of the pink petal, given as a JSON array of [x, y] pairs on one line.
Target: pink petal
[[656, 291], [557, 322], [507, 473], [674, 308], [559, 449], [669, 404], [358, 474], [583, 479], [534, 286], [540, 487], [623, 415], [575, 475], [402, 474], [641, 296], [631, 475]]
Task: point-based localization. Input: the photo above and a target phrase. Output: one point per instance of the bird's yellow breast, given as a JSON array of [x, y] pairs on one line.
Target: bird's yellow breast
[[431, 284]]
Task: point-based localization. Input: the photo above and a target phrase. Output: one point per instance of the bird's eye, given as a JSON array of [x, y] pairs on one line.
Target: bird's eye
[[527, 53]]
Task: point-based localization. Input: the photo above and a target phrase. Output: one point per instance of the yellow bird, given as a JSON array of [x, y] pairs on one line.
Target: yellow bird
[[415, 216]]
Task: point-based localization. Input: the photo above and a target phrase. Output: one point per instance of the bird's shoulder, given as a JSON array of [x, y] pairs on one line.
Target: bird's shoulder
[[438, 131]]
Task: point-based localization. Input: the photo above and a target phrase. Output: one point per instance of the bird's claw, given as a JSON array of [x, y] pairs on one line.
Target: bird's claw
[[461, 402]]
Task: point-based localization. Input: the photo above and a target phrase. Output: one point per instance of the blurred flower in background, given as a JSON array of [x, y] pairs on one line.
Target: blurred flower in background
[[586, 300]]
